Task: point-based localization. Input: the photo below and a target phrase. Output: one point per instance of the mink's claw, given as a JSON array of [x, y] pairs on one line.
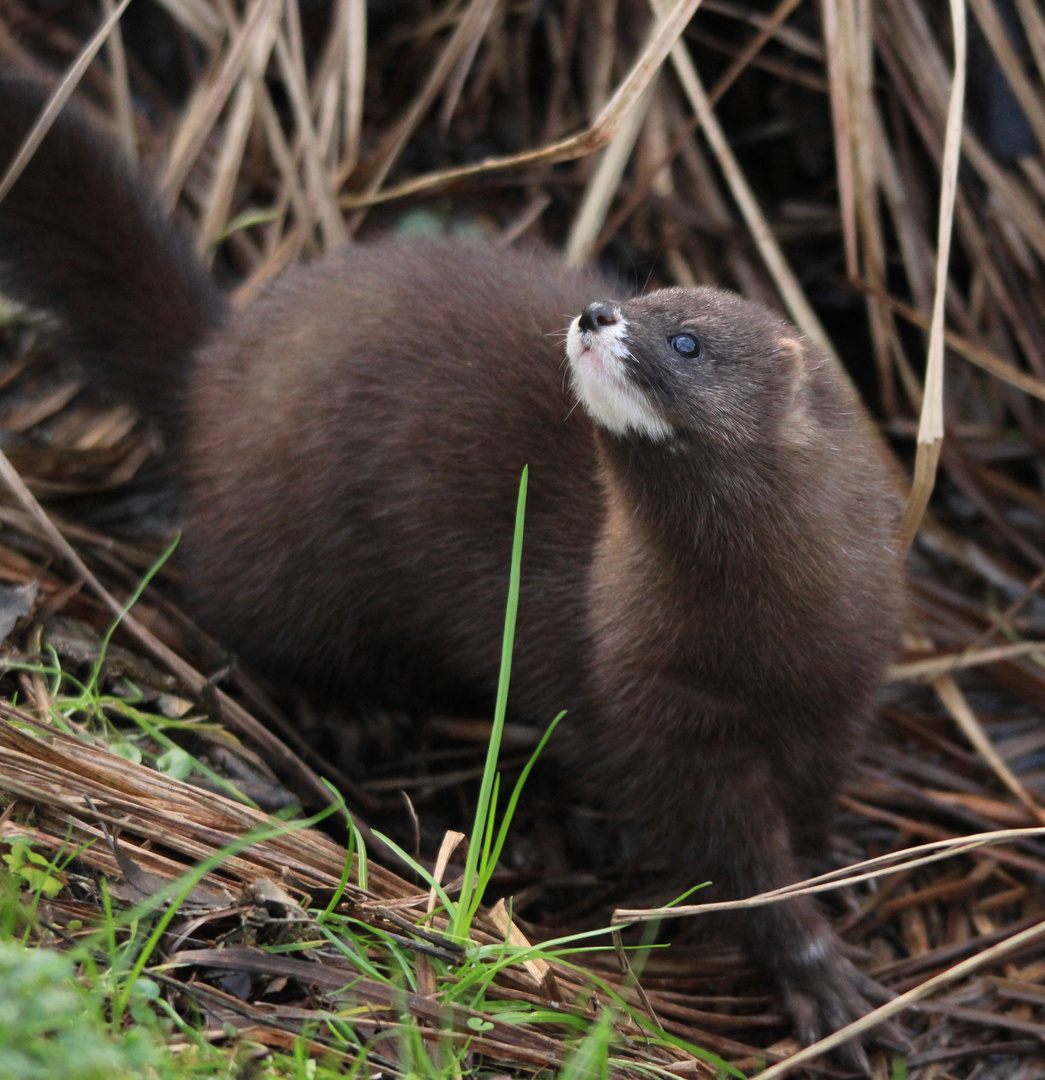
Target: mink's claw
[[829, 993]]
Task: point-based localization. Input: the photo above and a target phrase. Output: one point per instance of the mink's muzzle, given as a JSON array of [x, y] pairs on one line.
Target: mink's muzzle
[[598, 314]]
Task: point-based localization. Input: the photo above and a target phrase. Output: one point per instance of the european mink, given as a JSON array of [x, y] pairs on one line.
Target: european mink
[[711, 583]]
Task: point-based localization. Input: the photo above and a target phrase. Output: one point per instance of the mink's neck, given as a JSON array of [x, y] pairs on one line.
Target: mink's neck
[[718, 507]]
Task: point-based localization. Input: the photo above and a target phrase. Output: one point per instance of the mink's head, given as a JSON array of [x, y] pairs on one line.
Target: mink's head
[[699, 365]]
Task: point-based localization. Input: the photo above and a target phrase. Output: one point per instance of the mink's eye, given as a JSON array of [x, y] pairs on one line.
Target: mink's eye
[[685, 345]]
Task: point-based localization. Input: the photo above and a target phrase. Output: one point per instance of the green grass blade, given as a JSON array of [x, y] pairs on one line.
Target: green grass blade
[[490, 863], [153, 570], [462, 916]]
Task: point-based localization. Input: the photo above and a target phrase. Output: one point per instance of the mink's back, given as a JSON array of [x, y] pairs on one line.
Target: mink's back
[[356, 442]]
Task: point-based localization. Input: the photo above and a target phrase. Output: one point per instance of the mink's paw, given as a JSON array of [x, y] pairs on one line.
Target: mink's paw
[[829, 992]]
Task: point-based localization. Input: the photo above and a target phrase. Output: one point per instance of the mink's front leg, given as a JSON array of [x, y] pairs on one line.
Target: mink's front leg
[[741, 840]]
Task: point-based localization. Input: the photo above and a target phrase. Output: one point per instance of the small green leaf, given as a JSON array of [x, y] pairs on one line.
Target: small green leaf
[[40, 881], [141, 1013], [127, 750], [477, 1023], [175, 763], [147, 988], [17, 857]]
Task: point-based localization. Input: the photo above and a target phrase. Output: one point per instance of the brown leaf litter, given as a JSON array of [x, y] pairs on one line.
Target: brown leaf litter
[[808, 171]]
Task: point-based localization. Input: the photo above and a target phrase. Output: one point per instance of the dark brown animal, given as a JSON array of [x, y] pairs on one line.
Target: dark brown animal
[[711, 582]]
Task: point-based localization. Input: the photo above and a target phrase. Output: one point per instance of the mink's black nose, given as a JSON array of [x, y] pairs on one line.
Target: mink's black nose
[[596, 315]]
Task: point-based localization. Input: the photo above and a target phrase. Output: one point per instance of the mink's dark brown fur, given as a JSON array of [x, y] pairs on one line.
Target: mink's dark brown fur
[[711, 585], [83, 237]]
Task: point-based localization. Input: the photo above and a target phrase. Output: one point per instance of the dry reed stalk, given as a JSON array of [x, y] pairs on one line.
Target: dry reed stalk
[[930, 424], [678, 200], [233, 714], [355, 79], [320, 188], [1027, 95], [121, 88], [463, 44], [61, 95], [201, 18], [956, 704], [78, 788], [929, 670], [661, 41], [210, 97], [229, 161], [605, 181], [903, 861], [794, 299]]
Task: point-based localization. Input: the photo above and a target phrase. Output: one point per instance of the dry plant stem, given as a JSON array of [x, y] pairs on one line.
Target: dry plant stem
[[891, 862], [897, 1005], [975, 354], [1003, 621], [121, 89], [275, 262], [425, 973], [724, 82], [604, 182], [930, 427], [954, 702], [931, 669], [226, 172], [793, 39], [1034, 28], [587, 142], [57, 101], [353, 16], [560, 82], [631, 980], [914, 247], [459, 75], [291, 192], [529, 217], [200, 18], [998, 38], [767, 30], [787, 72], [208, 101], [321, 194], [965, 476], [291, 56], [469, 31], [841, 115], [232, 714], [451, 842], [868, 162], [325, 99], [601, 70], [538, 969], [55, 771], [966, 553], [783, 277], [286, 160], [251, 94]]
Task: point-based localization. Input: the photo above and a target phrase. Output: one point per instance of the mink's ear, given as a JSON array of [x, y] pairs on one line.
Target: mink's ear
[[797, 422]]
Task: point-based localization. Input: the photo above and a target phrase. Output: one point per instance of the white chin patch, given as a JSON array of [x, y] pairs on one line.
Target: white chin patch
[[602, 383]]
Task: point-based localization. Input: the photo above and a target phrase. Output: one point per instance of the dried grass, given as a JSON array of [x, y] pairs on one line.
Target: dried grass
[[294, 138]]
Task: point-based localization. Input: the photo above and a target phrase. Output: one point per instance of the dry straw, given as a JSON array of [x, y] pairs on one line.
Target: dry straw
[[942, 234]]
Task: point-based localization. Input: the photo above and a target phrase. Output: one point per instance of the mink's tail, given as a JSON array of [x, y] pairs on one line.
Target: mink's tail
[[85, 238]]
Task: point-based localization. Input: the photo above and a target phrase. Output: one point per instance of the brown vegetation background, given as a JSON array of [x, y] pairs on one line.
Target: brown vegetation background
[[793, 152]]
